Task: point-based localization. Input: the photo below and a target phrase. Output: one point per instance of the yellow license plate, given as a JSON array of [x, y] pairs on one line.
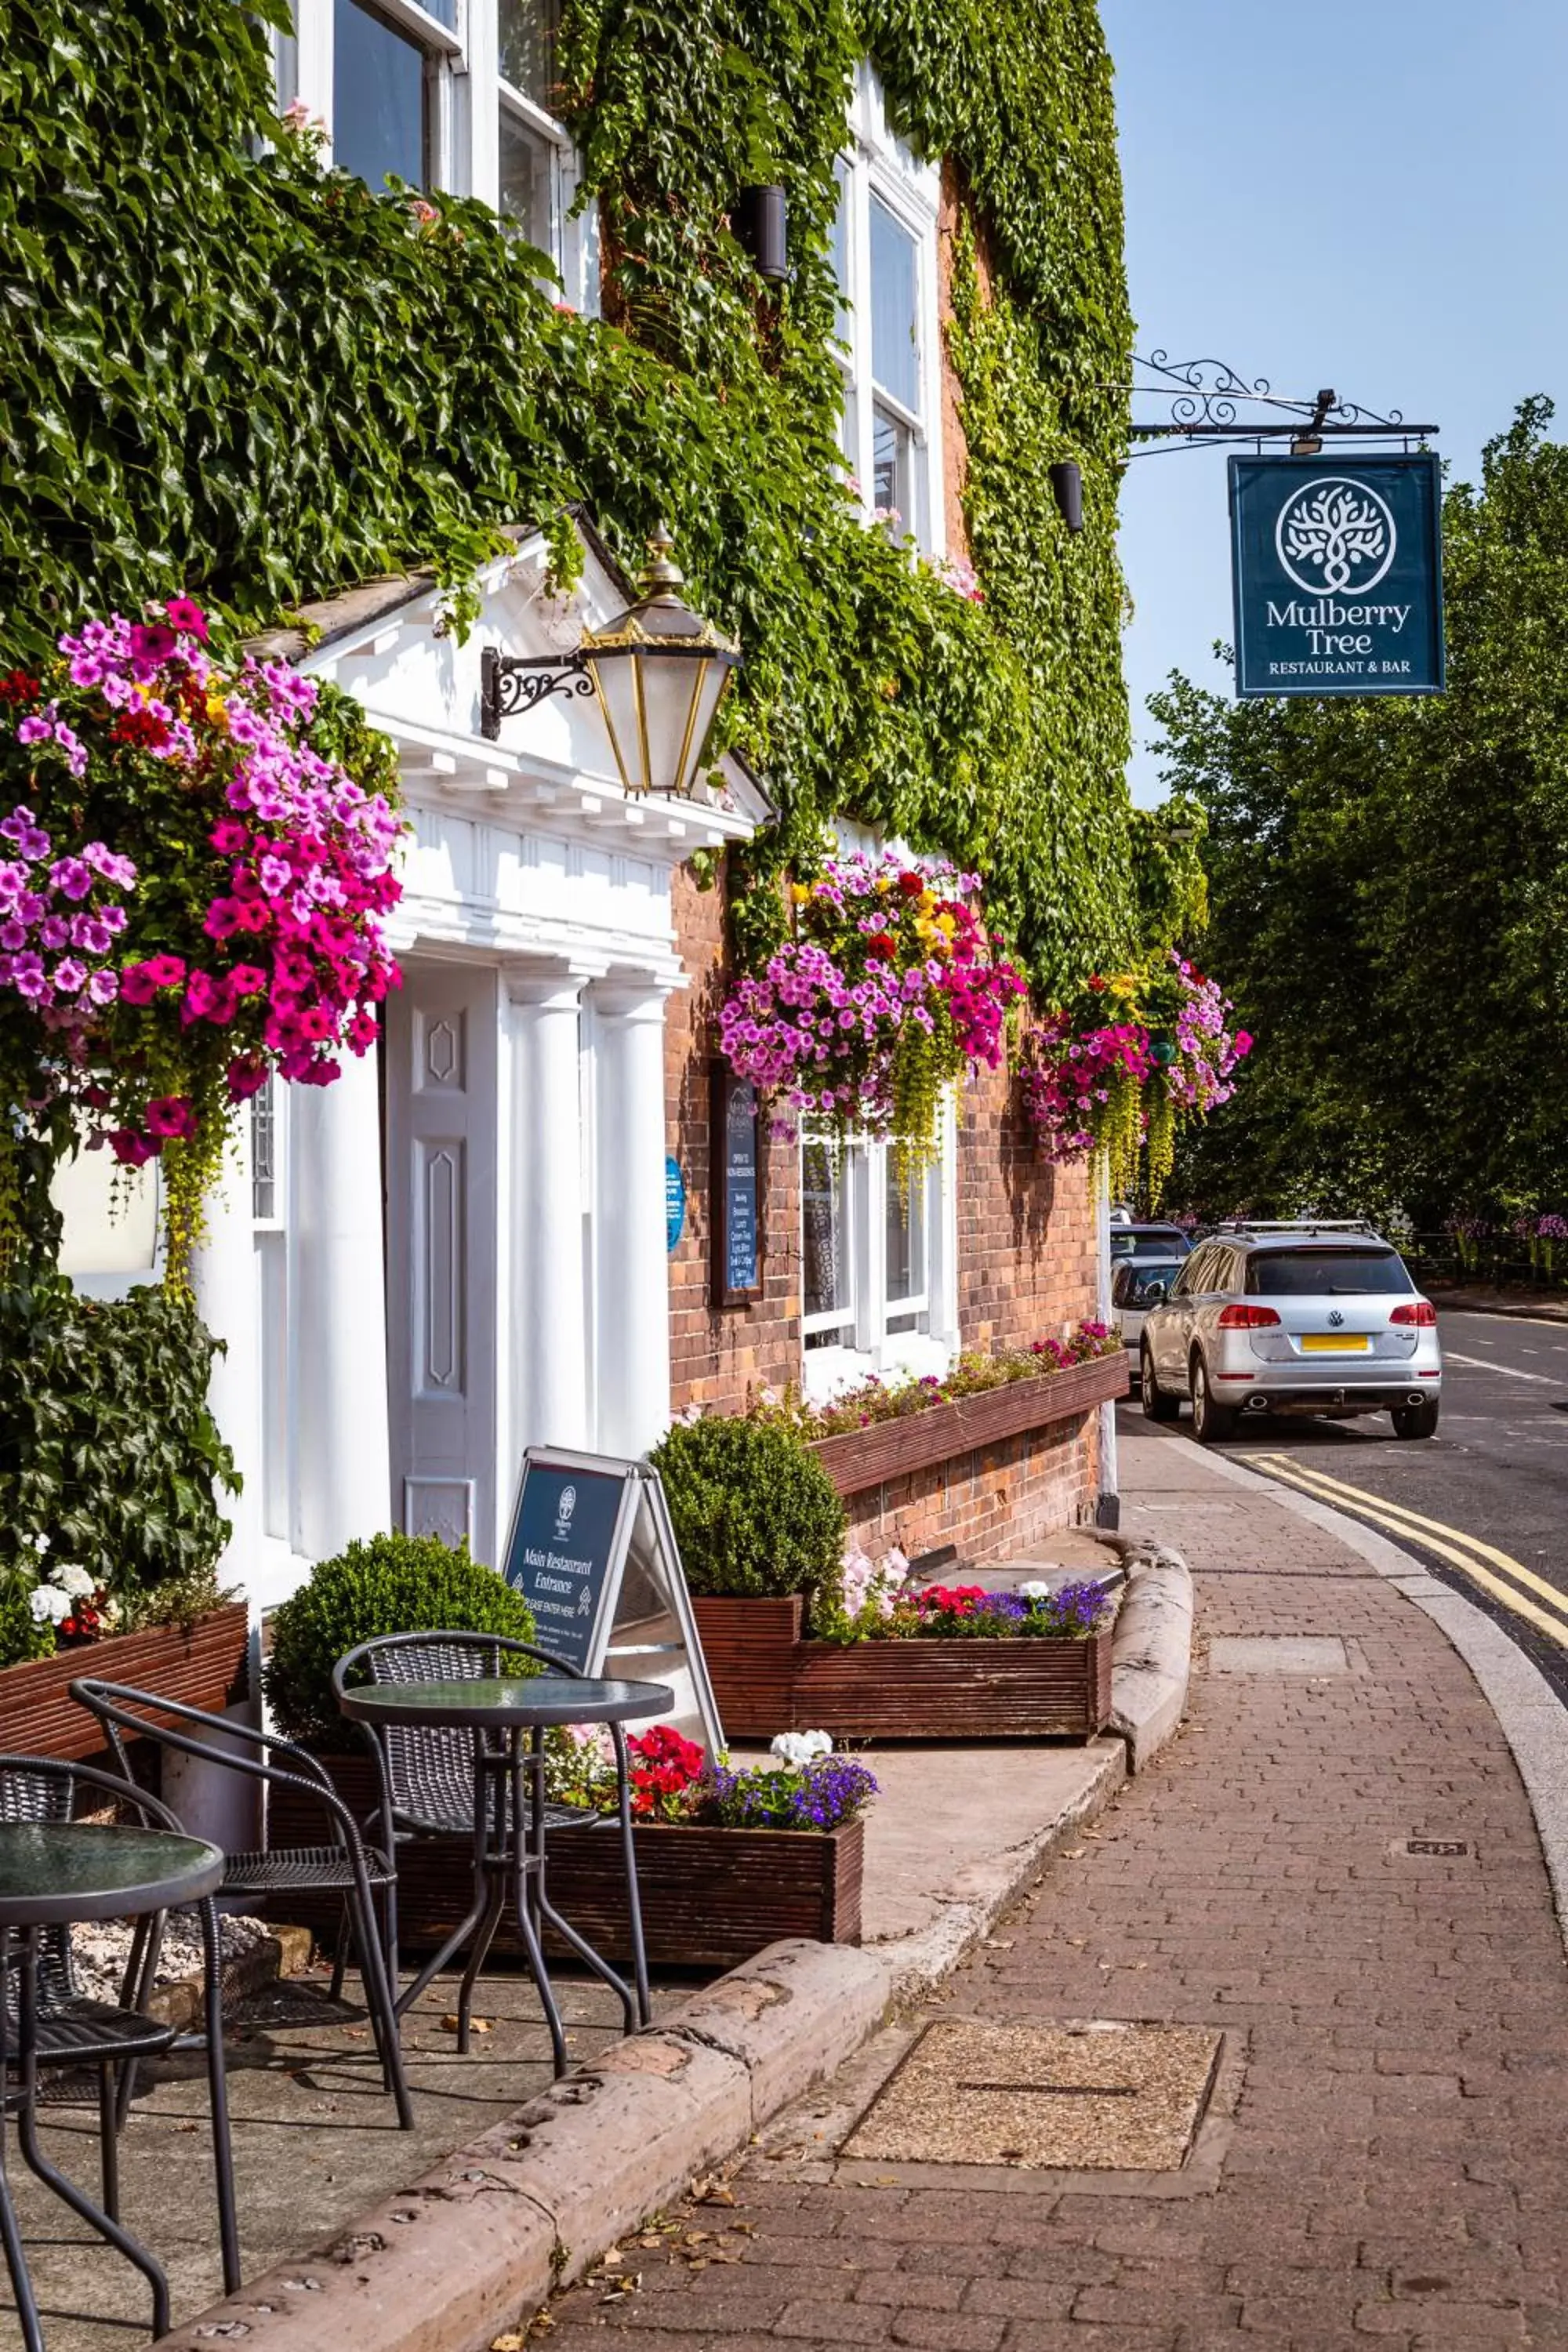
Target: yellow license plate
[[1324, 1343]]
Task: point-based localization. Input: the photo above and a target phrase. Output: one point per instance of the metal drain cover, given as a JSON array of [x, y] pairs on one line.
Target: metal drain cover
[[1104, 2097], [1278, 1653]]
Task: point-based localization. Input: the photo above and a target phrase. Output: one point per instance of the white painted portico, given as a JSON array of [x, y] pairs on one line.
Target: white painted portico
[[464, 1249]]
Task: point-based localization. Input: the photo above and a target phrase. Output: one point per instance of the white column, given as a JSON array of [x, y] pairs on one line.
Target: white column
[[344, 1471], [633, 1279], [544, 1305], [223, 1277]]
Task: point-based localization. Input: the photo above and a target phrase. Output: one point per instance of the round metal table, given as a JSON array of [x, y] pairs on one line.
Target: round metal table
[[508, 1717], [52, 1875]]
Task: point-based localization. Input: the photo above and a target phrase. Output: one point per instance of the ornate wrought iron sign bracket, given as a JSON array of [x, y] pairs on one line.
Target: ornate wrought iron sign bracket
[[512, 682], [1208, 401]]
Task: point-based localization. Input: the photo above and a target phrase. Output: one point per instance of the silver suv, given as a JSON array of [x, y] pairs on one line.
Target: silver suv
[[1300, 1318]]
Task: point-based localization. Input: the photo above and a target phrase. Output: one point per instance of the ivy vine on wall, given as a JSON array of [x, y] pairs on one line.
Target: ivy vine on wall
[[232, 372]]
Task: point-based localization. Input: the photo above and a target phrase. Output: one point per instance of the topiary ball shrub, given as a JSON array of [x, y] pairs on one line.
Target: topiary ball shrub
[[391, 1584], [754, 1510]]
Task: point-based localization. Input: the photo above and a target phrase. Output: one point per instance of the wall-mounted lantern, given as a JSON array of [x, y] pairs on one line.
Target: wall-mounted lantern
[[657, 671], [763, 225], [1067, 489]]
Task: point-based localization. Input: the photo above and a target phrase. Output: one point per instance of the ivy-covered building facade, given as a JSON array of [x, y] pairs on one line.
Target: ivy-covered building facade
[[391, 333]]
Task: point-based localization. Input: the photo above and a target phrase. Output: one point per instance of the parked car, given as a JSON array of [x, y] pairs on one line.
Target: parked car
[[1130, 1240], [1138, 1285], [1299, 1318]]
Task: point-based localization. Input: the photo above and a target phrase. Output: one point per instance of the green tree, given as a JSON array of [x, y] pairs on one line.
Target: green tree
[[1389, 886]]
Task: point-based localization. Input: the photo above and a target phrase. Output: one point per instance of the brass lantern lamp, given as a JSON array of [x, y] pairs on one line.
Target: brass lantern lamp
[[657, 671]]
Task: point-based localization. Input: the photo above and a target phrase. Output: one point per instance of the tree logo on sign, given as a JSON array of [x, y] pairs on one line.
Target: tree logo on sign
[[1335, 537]]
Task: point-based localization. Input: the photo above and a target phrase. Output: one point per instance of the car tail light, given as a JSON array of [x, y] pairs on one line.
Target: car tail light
[[1245, 1318], [1420, 1311]]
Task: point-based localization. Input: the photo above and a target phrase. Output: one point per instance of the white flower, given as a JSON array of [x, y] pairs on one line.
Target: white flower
[[799, 1748], [74, 1580], [49, 1605], [39, 1543], [1035, 1591]]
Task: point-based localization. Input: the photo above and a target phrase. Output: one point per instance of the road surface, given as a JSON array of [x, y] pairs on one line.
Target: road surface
[[1484, 1503]]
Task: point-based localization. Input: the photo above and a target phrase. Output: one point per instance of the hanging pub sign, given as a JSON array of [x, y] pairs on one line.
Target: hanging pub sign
[[737, 1162], [592, 1552], [1338, 574]]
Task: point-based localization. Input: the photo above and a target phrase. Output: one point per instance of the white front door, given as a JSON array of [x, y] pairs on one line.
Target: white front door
[[442, 1033]]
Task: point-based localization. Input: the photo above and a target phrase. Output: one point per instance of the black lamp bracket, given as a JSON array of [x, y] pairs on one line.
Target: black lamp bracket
[[512, 682]]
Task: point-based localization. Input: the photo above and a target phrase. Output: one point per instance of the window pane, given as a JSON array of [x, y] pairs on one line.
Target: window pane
[[264, 1153], [905, 1242], [825, 1222], [378, 98], [892, 470], [895, 313], [528, 42], [527, 164]]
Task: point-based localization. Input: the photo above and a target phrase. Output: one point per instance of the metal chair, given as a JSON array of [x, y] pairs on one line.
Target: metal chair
[[426, 1789], [343, 1864], [72, 2030]]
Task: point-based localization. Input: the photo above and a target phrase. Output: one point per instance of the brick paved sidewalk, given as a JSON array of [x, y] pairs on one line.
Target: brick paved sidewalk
[[1397, 2174]]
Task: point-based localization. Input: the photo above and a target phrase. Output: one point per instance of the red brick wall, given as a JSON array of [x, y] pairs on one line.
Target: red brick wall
[[997, 1504], [717, 1354]]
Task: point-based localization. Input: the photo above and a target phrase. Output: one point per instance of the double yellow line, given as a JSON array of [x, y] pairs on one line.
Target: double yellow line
[[1495, 1572]]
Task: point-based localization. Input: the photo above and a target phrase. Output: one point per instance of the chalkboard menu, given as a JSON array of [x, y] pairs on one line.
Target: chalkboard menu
[[564, 1544], [592, 1552], [737, 1207]]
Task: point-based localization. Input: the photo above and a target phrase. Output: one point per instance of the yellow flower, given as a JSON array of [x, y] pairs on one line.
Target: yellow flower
[[217, 709], [946, 926]]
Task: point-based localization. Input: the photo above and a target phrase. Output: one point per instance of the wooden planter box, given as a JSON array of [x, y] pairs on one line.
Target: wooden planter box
[[205, 1666], [891, 1449], [711, 1897], [767, 1679]]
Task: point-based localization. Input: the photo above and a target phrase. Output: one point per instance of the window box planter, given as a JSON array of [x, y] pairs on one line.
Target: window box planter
[[205, 1666], [891, 1449], [711, 1897], [767, 1678]]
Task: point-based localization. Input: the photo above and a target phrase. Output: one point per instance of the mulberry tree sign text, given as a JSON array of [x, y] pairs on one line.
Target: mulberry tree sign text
[[1338, 576]]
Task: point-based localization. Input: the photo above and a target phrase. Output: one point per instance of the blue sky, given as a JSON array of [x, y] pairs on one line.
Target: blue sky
[[1367, 193]]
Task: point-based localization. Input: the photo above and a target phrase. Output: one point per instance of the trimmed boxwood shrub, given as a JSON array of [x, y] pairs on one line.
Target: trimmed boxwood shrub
[[754, 1510], [389, 1584]]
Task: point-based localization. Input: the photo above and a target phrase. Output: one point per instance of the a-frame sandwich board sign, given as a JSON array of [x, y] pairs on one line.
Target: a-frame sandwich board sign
[[592, 1552]]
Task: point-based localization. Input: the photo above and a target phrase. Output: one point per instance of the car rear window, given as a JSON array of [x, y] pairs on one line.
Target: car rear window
[[1169, 1243], [1156, 1279], [1325, 1273]]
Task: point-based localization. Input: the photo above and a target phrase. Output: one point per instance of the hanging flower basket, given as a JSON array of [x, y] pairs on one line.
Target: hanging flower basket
[[192, 893], [888, 988], [1115, 1072]]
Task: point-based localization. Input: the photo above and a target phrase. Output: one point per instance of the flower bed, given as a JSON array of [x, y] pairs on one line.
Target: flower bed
[[890, 1446], [943, 1664], [202, 1665], [712, 1892]]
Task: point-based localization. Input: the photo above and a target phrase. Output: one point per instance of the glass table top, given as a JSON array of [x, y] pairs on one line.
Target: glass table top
[[502, 1703], [53, 1871]]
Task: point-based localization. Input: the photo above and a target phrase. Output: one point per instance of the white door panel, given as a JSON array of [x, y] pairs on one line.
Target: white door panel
[[441, 1162]]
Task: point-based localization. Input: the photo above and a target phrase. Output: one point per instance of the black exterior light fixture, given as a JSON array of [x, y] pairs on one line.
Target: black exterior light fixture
[[762, 226], [657, 671], [1067, 489]]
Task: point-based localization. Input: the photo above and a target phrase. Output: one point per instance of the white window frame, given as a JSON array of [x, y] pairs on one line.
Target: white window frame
[[467, 97], [275, 1367], [876, 162], [867, 1345]]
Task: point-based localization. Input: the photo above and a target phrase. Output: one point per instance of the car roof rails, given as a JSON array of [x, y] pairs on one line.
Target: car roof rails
[[1303, 1226]]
